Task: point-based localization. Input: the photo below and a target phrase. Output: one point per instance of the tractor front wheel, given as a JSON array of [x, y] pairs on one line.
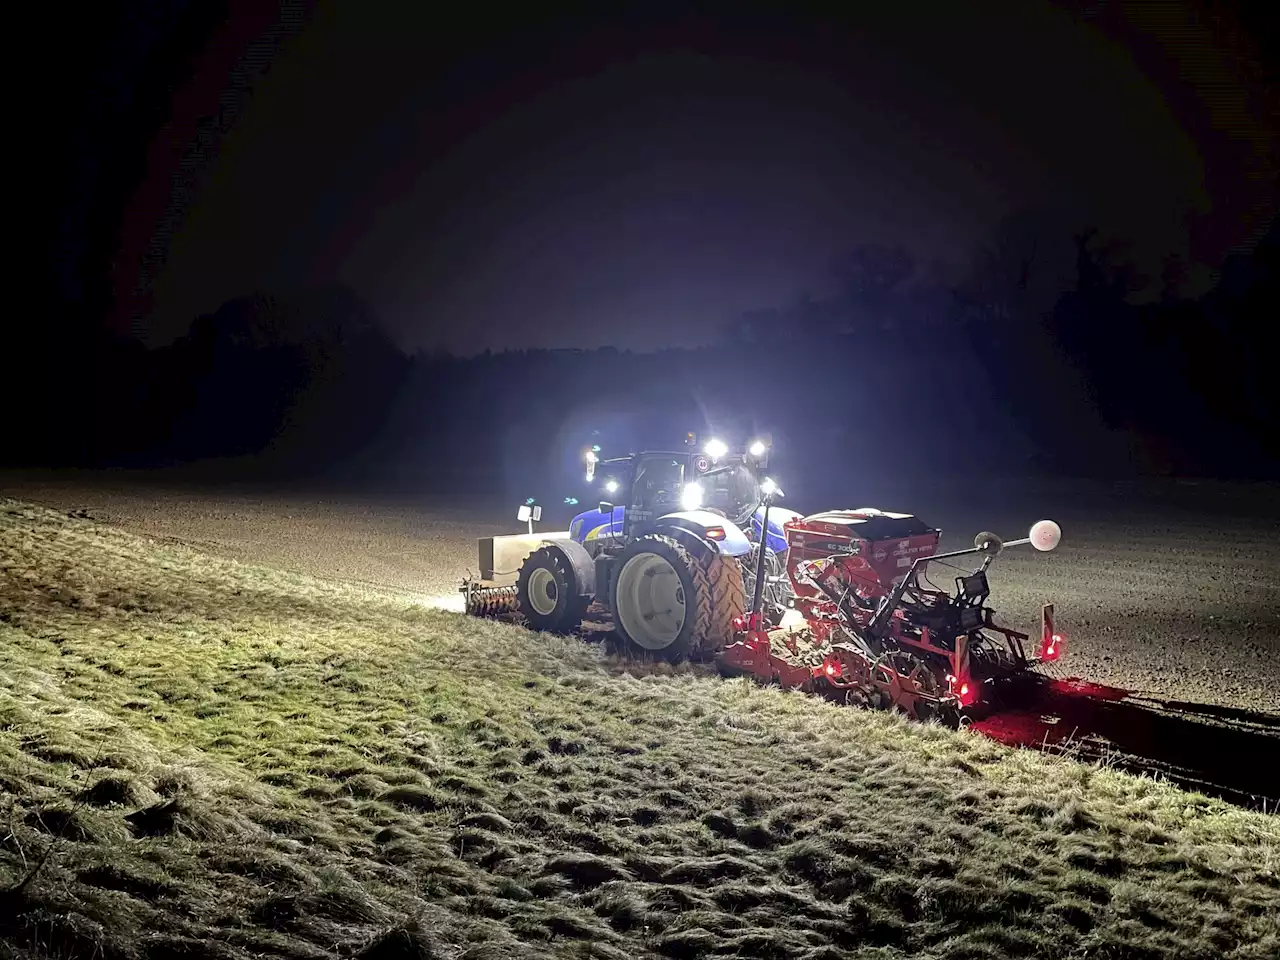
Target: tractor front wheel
[[547, 592]]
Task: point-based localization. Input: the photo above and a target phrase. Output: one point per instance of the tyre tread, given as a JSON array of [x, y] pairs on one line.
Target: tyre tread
[[728, 600]]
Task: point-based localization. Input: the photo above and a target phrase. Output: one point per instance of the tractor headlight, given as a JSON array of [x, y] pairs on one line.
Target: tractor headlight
[[691, 496], [611, 486], [715, 449], [758, 448]]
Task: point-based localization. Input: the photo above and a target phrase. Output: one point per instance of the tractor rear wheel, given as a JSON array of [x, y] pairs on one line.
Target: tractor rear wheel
[[547, 592], [671, 604]]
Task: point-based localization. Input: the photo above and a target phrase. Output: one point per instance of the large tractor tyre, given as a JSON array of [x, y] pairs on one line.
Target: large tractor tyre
[[728, 600], [661, 598], [547, 592]]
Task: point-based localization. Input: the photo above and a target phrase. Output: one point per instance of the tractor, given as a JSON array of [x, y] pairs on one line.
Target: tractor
[[669, 552], [699, 563]]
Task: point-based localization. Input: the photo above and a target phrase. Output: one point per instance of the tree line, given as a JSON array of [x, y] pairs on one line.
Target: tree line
[[898, 366]]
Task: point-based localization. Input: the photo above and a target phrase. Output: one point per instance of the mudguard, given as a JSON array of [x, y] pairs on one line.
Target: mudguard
[[696, 523], [584, 567]]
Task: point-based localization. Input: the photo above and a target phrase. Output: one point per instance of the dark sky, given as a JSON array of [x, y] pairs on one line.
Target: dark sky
[[569, 182]]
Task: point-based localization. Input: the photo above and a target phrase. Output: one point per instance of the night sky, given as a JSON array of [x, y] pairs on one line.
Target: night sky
[[638, 181]]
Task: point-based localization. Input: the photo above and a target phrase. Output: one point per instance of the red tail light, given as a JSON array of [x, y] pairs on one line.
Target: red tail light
[[1052, 647], [964, 691], [1051, 641], [739, 624], [714, 533]]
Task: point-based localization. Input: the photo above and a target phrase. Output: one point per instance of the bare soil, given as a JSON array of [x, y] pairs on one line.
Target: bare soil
[[403, 543]]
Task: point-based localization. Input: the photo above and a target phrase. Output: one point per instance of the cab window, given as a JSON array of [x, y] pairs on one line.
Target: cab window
[[658, 481], [732, 491]]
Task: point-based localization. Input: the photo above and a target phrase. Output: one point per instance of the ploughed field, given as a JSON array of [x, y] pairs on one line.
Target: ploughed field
[[255, 744]]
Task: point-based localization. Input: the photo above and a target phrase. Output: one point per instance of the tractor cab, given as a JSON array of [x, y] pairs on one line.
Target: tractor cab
[[665, 483], [661, 483], [638, 490], [733, 490]]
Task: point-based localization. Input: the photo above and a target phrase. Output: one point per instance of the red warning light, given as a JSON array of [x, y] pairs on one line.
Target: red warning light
[[965, 693]]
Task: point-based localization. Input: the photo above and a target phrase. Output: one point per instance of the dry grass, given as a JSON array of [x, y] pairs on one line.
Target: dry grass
[[204, 759]]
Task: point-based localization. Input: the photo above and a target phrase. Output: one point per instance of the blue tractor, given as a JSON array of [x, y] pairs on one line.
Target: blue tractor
[[670, 551]]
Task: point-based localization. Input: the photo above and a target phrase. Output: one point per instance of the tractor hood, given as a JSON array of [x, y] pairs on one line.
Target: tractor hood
[[593, 524], [779, 517]]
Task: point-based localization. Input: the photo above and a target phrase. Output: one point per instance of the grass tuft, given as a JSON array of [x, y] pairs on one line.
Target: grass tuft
[[422, 799], [116, 792], [409, 942]]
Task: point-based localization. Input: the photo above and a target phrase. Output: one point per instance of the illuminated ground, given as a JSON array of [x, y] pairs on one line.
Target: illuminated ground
[[1171, 592], [203, 758]]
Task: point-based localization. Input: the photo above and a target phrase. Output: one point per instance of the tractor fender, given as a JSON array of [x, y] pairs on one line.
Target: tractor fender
[[690, 528], [581, 562]]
